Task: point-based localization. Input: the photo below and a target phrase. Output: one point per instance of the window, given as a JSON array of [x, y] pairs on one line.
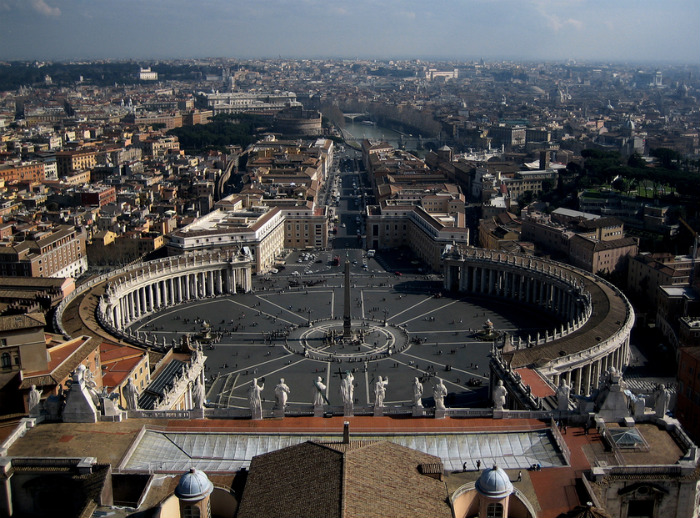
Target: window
[[640, 509], [190, 512], [494, 511], [6, 362]]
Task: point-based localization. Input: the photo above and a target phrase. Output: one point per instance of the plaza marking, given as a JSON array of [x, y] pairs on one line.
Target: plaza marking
[[427, 313], [154, 317], [270, 315], [265, 375], [411, 307], [477, 375], [367, 386]]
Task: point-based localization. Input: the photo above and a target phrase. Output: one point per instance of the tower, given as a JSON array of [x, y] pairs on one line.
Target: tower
[[193, 492], [494, 488]]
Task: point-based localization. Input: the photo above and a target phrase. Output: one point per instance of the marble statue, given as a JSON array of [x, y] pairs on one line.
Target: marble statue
[[130, 395], [662, 398], [417, 393], [319, 392], [563, 391], [347, 391], [281, 393], [499, 396], [34, 400], [439, 393], [198, 395], [380, 391], [255, 399]]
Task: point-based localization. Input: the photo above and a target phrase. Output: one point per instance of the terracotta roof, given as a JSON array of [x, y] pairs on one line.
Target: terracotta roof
[[64, 360], [538, 386]]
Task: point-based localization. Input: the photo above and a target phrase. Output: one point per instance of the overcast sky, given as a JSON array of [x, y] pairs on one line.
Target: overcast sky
[[609, 30]]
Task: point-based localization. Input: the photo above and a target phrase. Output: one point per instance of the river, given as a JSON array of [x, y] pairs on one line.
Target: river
[[360, 131]]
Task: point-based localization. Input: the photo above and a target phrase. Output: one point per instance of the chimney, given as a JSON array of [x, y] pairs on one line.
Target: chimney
[[346, 432]]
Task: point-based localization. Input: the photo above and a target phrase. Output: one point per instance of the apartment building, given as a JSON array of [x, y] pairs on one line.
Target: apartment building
[[57, 252], [393, 225], [241, 223], [68, 162], [23, 172]]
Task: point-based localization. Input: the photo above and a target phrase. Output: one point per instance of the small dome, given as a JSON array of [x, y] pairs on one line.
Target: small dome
[[193, 486], [494, 483], [629, 124]]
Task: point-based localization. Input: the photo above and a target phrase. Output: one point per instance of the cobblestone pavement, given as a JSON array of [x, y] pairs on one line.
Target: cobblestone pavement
[[265, 334]]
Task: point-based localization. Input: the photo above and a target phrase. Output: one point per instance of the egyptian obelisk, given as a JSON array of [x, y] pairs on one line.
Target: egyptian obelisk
[[347, 319]]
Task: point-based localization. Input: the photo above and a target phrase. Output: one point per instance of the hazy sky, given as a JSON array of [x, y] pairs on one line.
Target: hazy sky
[[611, 30]]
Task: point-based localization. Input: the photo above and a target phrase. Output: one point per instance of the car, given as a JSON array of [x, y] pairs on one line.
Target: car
[[354, 261], [398, 274], [274, 270], [343, 225]]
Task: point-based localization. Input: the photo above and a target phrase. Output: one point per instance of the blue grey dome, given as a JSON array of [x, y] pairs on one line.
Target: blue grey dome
[[494, 483], [193, 486]]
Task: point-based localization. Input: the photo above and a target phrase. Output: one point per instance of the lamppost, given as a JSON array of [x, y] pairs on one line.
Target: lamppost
[[386, 312], [309, 322]]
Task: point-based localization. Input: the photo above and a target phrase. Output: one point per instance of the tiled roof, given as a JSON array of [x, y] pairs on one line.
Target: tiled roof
[[13, 322], [158, 386], [64, 360], [341, 480]]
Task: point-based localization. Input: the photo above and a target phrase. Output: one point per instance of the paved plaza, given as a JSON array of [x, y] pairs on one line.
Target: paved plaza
[[266, 334]]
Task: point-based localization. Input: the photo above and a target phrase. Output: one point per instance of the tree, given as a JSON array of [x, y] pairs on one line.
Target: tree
[[547, 186], [668, 158], [619, 185], [635, 160]]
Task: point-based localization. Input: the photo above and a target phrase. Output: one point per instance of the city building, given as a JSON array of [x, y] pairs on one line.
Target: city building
[[56, 252], [247, 102], [395, 224], [146, 74], [246, 226]]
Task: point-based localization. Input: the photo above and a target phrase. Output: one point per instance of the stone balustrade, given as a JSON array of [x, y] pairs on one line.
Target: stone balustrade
[[594, 318], [136, 291]]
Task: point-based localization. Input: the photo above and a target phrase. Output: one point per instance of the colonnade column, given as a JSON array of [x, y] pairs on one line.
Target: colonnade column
[[587, 380], [210, 276]]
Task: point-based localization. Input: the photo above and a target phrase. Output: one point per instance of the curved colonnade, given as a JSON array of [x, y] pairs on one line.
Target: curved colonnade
[[594, 318], [132, 293]]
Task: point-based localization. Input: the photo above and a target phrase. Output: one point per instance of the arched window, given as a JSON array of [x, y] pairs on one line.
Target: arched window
[[494, 511], [6, 361]]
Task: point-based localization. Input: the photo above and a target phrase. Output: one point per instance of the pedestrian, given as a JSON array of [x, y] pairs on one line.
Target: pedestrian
[[520, 476], [478, 464], [464, 467]]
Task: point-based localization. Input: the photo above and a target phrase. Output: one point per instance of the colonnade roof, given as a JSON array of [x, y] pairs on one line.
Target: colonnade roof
[[608, 317]]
